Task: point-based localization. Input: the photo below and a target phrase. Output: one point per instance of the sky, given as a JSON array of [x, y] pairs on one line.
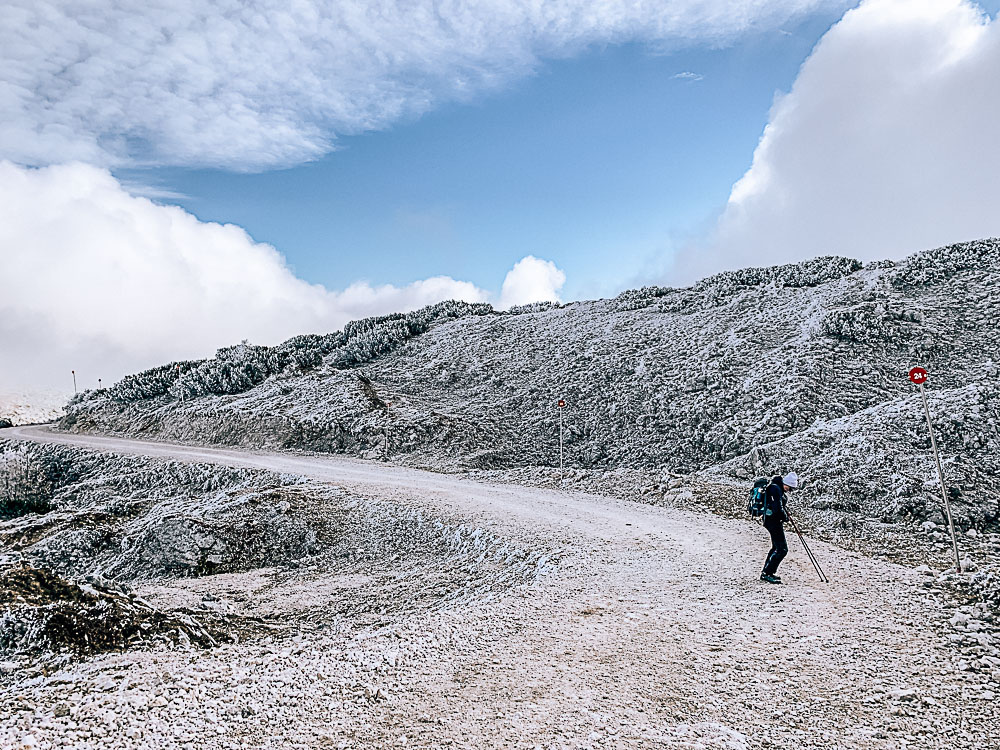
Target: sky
[[180, 176]]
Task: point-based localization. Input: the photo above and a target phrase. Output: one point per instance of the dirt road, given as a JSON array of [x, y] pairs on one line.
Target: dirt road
[[649, 629]]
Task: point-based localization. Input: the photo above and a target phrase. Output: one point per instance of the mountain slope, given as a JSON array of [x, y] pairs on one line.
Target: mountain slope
[[746, 372]]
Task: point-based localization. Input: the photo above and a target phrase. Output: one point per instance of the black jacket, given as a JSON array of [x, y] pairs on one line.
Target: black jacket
[[774, 503]]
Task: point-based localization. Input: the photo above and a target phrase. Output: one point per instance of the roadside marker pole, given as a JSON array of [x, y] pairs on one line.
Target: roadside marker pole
[[385, 451], [74, 382], [562, 405], [918, 375]]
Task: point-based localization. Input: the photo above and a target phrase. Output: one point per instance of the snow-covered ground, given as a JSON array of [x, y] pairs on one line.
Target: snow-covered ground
[[26, 406], [552, 618]]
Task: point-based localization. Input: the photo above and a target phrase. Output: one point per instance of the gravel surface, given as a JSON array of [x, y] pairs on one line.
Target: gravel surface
[[582, 621]]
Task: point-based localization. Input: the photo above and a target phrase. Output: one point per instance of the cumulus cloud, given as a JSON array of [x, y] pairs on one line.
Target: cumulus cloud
[[886, 144], [688, 75], [261, 84], [531, 280], [98, 280]]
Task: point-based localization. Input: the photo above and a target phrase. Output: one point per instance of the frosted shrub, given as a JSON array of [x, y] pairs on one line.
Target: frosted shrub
[[234, 369], [306, 352], [237, 369], [942, 263], [636, 299], [150, 383], [25, 486], [866, 322], [533, 307], [806, 274]]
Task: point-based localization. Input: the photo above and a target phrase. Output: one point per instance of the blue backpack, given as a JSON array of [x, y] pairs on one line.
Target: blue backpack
[[757, 504]]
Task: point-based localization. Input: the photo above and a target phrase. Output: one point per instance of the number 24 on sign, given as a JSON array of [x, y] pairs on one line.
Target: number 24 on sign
[[918, 375]]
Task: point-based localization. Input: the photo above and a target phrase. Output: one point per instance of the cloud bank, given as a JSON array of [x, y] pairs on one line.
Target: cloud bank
[[263, 84], [95, 279], [886, 144], [531, 280]]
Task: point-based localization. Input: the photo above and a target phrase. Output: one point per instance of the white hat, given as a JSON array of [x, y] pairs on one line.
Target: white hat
[[791, 479]]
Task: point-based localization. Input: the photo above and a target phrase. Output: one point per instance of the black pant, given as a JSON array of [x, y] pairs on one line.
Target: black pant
[[779, 547]]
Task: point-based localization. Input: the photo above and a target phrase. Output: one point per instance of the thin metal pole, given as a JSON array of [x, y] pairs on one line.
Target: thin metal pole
[[561, 444], [809, 552], [74, 381], [944, 491], [385, 449]]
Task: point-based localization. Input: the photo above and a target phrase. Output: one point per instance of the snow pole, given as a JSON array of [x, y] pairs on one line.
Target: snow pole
[[385, 444], [809, 553], [74, 381], [562, 405], [918, 375]]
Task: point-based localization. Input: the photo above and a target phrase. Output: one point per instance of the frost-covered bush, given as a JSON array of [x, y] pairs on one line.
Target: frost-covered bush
[[234, 369], [867, 322], [636, 299], [420, 320], [237, 369], [805, 274], [877, 265], [26, 483], [942, 263], [532, 307], [371, 338], [150, 383], [365, 344], [307, 351]]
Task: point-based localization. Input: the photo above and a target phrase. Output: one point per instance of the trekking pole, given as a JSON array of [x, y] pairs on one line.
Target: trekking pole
[[812, 557], [809, 552], [822, 575]]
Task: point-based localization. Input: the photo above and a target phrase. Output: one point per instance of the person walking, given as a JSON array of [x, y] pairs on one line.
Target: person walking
[[775, 516]]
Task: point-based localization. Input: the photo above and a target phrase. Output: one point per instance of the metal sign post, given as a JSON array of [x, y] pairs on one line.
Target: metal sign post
[[918, 375], [562, 405], [385, 451], [74, 381]]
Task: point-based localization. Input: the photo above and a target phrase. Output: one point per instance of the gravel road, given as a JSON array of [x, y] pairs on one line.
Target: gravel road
[[644, 627]]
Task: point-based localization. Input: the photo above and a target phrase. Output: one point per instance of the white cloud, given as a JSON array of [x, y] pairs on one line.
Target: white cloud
[[269, 83], [104, 282], [531, 280], [885, 145], [687, 75]]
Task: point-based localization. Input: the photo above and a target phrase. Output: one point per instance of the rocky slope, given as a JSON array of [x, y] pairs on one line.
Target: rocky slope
[[760, 370], [87, 537]]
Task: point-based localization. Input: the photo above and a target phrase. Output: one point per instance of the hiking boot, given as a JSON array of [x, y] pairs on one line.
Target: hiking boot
[[767, 577]]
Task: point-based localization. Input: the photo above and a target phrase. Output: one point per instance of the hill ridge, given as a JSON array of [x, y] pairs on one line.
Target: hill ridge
[[686, 379]]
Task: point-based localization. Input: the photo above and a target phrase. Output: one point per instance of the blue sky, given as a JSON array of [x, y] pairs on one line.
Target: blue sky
[[318, 162], [600, 163]]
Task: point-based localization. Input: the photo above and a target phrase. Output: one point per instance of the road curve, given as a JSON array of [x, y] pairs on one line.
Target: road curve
[[654, 619]]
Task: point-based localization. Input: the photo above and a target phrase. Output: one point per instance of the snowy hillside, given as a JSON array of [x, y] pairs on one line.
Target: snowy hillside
[[800, 366], [31, 407]]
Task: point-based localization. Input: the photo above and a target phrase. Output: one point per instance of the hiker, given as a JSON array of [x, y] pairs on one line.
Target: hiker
[[775, 516]]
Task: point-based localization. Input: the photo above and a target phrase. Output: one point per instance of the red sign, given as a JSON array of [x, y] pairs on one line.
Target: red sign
[[562, 403], [918, 375]]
